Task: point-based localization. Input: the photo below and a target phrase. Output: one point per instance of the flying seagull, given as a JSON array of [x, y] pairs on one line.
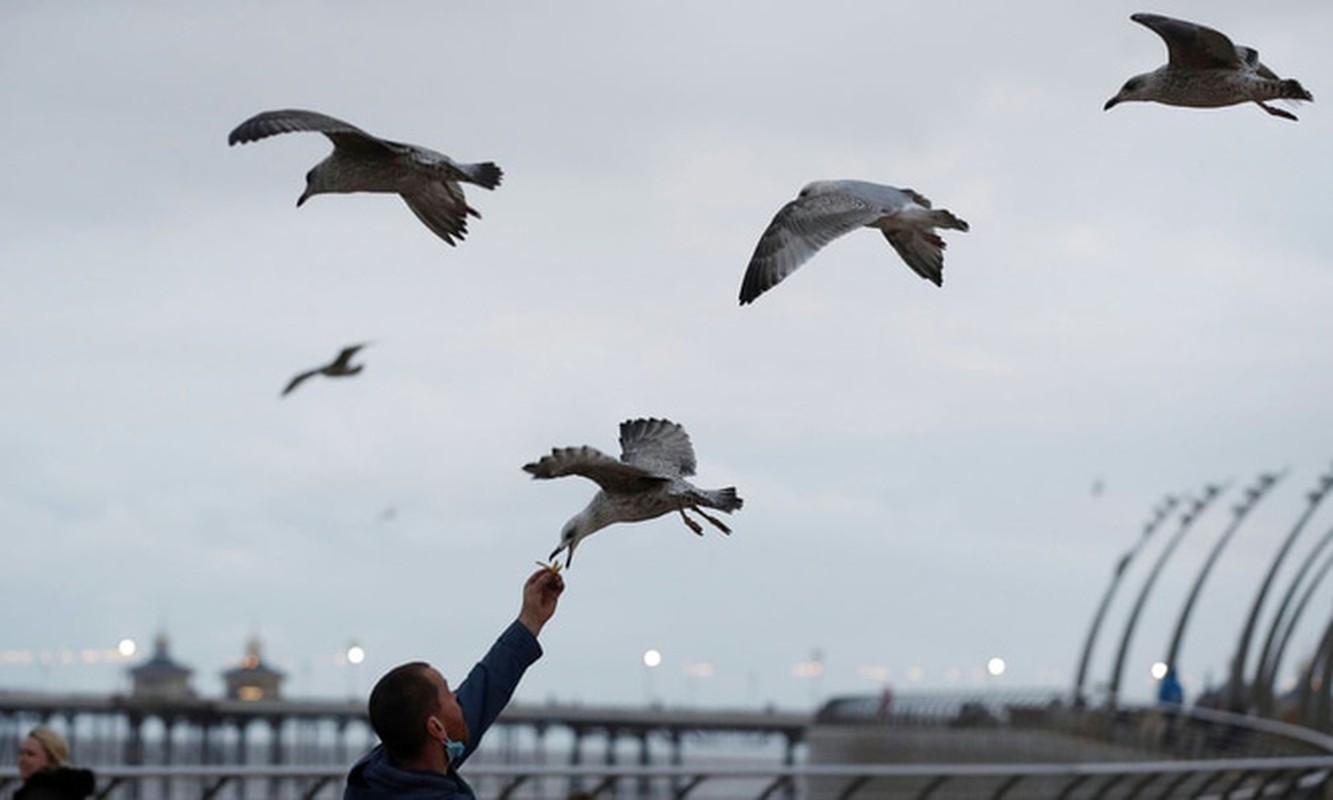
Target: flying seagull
[[825, 210], [647, 482], [429, 182], [340, 367], [1205, 70]]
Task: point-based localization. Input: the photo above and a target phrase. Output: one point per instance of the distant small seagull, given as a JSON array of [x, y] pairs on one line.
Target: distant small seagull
[[825, 210], [1205, 70], [647, 482], [340, 367], [427, 181]]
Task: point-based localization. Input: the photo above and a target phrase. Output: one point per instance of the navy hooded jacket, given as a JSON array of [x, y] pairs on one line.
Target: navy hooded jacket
[[482, 695]]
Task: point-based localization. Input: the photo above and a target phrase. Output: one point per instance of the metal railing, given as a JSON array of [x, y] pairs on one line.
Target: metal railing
[[1212, 778], [1156, 732], [1193, 753]]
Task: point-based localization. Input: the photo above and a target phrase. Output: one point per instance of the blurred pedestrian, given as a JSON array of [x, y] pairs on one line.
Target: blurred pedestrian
[[1169, 691], [45, 771], [885, 703], [1170, 697]]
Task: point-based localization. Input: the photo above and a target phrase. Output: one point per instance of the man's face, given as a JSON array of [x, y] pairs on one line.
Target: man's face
[[448, 710]]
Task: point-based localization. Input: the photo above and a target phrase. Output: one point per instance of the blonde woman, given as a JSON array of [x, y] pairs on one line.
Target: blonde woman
[[44, 768]]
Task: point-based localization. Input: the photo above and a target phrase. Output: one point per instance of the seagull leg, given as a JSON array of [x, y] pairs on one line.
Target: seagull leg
[[717, 523], [694, 526], [1277, 112]]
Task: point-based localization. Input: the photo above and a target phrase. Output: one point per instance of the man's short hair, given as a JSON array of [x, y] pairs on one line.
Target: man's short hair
[[400, 704]]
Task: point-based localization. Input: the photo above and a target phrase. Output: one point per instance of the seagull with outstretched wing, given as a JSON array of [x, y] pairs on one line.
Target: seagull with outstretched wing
[[1204, 69], [429, 182], [340, 367], [647, 482], [825, 210]]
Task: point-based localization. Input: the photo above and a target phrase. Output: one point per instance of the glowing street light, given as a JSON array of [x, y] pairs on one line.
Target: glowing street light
[[352, 657], [1158, 670], [694, 673], [126, 647], [876, 673], [652, 659], [703, 669], [812, 669], [995, 666], [356, 654]]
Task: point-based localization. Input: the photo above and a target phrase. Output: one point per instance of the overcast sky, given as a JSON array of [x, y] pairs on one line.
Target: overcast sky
[[1143, 300]]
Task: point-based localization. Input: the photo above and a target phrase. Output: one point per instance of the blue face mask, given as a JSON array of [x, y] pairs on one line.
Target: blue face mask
[[452, 750]]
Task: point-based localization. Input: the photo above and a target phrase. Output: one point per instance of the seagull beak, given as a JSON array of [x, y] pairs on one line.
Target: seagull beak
[[1114, 101], [304, 197]]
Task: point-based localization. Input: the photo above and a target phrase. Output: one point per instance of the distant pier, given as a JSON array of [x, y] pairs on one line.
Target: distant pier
[[124, 730]]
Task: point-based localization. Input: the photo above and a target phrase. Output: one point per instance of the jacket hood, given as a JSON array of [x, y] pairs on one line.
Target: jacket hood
[[375, 777]]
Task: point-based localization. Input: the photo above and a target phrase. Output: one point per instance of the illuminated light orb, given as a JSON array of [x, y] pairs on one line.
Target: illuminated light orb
[[1158, 670], [356, 654], [126, 648], [995, 666], [651, 658]]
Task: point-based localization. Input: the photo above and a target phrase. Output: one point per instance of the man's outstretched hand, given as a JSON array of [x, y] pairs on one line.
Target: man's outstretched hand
[[541, 592]]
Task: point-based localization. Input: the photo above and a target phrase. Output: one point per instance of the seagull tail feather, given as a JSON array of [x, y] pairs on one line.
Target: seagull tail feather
[[486, 175], [723, 499], [1293, 90], [943, 218]]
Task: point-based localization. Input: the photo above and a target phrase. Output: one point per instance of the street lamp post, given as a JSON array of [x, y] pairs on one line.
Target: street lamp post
[[1159, 515], [651, 660], [355, 655], [813, 670], [1239, 512], [694, 674], [1195, 510], [1236, 683]]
